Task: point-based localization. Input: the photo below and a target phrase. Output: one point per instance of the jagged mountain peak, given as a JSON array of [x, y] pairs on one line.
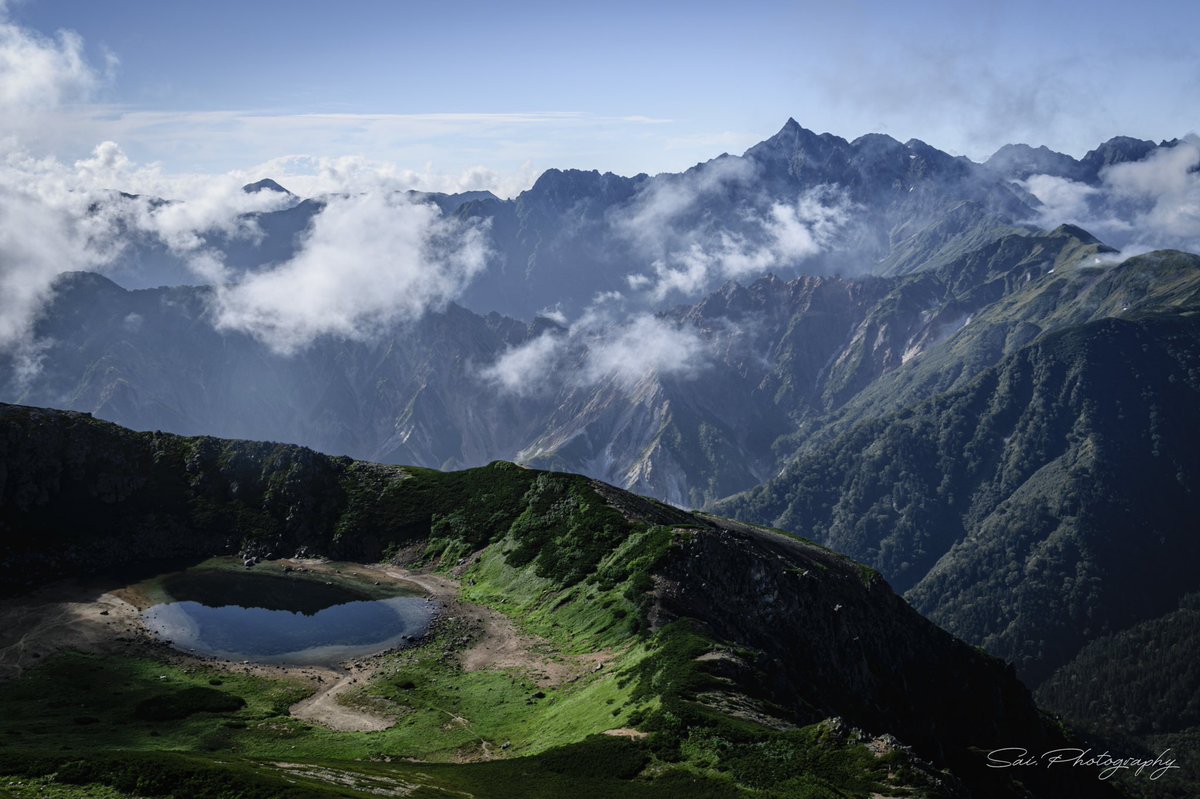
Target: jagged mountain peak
[[929, 153], [569, 185], [1128, 144], [557, 177], [1117, 150], [793, 137]]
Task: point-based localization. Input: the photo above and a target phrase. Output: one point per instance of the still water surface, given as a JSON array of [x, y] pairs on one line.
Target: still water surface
[[282, 618]]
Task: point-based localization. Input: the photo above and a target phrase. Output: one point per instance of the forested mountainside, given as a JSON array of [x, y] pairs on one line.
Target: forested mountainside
[[1044, 503]]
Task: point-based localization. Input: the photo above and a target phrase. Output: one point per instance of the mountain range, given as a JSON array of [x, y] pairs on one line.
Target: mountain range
[[876, 345], [575, 234]]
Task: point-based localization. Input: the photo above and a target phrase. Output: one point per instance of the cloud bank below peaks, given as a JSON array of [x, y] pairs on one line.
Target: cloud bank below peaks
[[56, 218], [602, 346], [367, 262], [1136, 206], [695, 235]]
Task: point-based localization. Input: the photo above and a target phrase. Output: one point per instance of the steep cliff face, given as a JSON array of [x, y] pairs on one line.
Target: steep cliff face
[[829, 633]]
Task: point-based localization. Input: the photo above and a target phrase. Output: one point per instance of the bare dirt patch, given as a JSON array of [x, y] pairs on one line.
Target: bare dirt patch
[[627, 732], [500, 645], [61, 619], [325, 706]]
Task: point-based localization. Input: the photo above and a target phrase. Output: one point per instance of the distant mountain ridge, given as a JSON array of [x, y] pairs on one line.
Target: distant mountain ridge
[[1020, 161], [779, 356], [574, 234], [990, 434]]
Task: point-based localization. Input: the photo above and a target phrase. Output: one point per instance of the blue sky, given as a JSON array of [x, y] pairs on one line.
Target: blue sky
[[489, 91]]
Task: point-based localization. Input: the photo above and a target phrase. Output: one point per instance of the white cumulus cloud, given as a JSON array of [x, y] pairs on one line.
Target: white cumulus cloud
[[56, 218], [368, 261], [40, 72], [643, 346], [37, 242]]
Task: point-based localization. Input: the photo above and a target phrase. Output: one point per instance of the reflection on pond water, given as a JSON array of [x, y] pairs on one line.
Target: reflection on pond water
[[280, 618]]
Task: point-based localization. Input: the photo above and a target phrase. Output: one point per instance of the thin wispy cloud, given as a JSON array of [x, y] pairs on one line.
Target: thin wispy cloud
[[503, 152], [526, 369], [641, 347], [662, 212], [966, 94], [606, 344]]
